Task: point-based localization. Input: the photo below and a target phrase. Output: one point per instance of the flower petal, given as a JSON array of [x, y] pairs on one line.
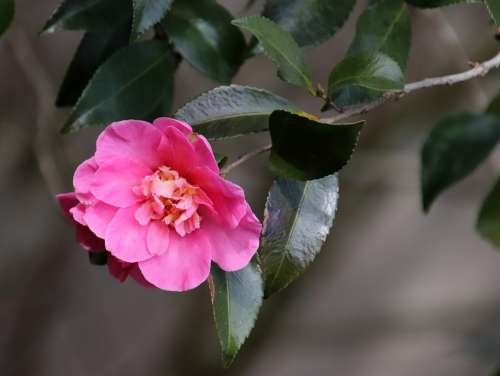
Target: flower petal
[[84, 175], [132, 139], [232, 249], [88, 240], [66, 202], [176, 151], [125, 238], [118, 269], [228, 198], [204, 153], [164, 122], [184, 266], [158, 237], [98, 216], [115, 179]]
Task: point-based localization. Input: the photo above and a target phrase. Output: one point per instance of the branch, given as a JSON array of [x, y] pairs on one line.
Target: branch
[[243, 158], [480, 69]]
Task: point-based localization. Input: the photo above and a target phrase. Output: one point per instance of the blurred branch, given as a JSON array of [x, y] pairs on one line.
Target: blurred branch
[[39, 79], [479, 70]]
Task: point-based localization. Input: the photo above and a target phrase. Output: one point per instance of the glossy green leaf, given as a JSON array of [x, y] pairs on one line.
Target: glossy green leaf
[[229, 111], [94, 49], [383, 27], [494, 106], [305, 149], [493, 7], [89, 15], [236, 301], [7, 9], [203, 34], [454, 148], [281, 48], [375, 71], [147, 13], [310, 22], [130, 85], [298, 217]]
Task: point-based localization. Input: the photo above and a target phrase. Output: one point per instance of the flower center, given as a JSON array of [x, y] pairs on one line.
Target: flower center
[[171, 199]]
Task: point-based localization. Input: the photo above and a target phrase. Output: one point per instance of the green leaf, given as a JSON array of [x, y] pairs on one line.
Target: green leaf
[[221, 160], [494, 106], [130, 85], [147, 13], [236, 301], [89, 15], [454, 148], [383, 27], [305, 149], [310, 22], [298, 217], [203, 34], [281, 48], [493, 7], [229, 111], [488, 222], [374, 71], [7, 9], [98, 258], [94, 49], [437, 3]]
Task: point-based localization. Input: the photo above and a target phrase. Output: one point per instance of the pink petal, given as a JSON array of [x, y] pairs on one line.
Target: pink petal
[[78, 213], [158, 237], [132, 139], [204, 152], [118, 269], [136, 274], [228, 198], [126, 238], [232, 249], [184, 266], [88, 240], [66, 202], [98, 216], [115, 179], [176, 151], [83, 176], [164, 122]]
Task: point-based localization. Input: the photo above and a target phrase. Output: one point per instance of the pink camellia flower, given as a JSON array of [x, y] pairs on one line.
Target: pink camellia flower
[[153, 198]]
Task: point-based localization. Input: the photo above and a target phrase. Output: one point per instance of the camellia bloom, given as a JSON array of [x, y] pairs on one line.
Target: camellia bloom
[[153, 198]]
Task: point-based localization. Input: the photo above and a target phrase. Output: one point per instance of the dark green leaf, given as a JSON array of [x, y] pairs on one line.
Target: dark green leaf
[[454, 148], [374, 71], [298, 217], [130, 85], [98, 258], [7, 9], [89, 15], [221, 160], [488, 223], [383, 27], [310, 22], [94, 49], [493, 7], [236, 301], [229, 111], [305, 149], [147, 13], [437, 3], [494, 107], [203, 34], [281, 48]]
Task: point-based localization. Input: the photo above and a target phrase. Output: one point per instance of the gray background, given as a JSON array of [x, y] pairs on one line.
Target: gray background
[[393, 292]]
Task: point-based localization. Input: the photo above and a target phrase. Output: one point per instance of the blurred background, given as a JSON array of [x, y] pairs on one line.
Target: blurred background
[[393, 292]]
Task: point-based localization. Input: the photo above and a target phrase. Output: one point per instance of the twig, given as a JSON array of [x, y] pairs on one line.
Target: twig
[[480, 69], [243, 158]]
